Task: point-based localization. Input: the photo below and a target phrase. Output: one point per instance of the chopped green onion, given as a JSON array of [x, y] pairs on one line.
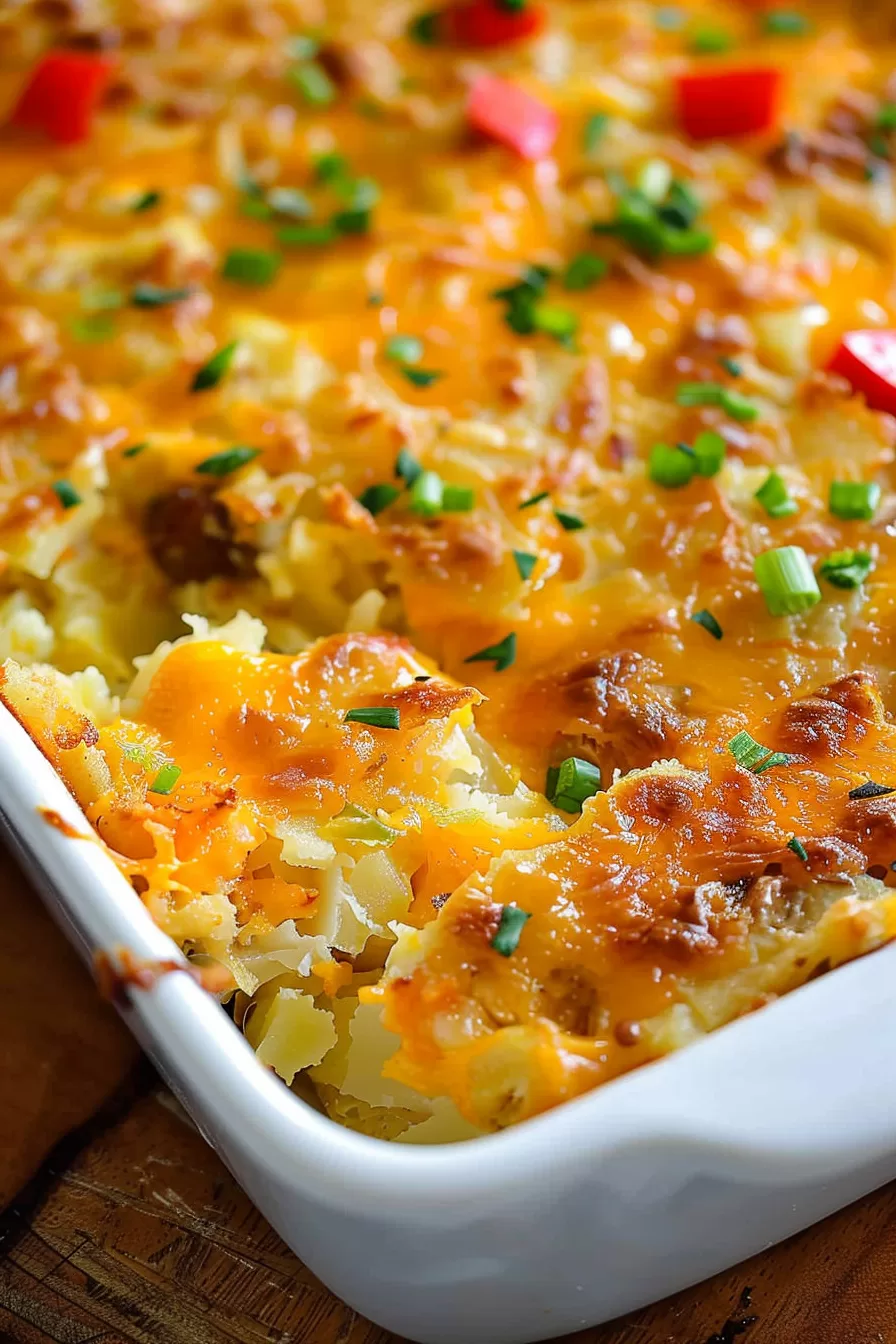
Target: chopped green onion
[[709, 623], [146, 295], [331, 167], [230, 459], [354, 824], [407, 468], [846, 569], [785, 23], [421, 377], [313, 83], [595, 127], [66, 494], [145, 201], [569, 784], [798, 848], [870, 790], [404, 349], [251, 265], [166, 779], [584, 270], [654, 229], [853, 499], [714, 394], [302, 47], [375, 300], [376, 716], [707, 41], [425, 28], [254, 207], [502, 654], [378, 497], [886, 117], [457, 498], [654, 180], [670, 467], [525, 563], [426, 494], [786, 580], [352, 221], [534, 499], [752, 755], [92, 327], [775, 498], [570, 522], [507, 936], [554, 320], [135, 449], [308, 235], [730, 366], [709, 453], [99, 300], [289, 201], [215, 368]]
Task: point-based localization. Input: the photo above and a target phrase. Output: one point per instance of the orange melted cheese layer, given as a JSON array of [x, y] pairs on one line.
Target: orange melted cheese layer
[[654, 918]]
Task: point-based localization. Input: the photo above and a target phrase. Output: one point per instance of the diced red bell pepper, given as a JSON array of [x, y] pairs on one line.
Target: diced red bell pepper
[[62, 94], [867, 360], [486, 23], [716, 103], [506, 113]]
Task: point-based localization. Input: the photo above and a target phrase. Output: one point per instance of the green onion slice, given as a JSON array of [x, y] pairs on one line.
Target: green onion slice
[[136, 449], [846, 569], [709, 623], [594, 130], [502, 654], [786, 580], [853, 499], [714, 394], [378, 497], [313, 83], [798, 848], [525, 563], [404, 349], [146, 295], [146, 201], [407, 468], [670, 467], [457, 498], [584, 271], [251, 265], [570, 522], [507, 935], [534, 499], [752, 755], [166, 779], [66, 494], [775, 498], [375, 716], [421, 377], [870, 790], [223, 463], [569, 784], [426, 494], [215, 368], [785, 23]]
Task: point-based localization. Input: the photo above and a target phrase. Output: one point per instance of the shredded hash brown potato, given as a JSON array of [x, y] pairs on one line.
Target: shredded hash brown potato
[[483, 396]]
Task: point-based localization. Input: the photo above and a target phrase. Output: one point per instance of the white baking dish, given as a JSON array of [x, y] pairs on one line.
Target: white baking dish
[[627, 1194]]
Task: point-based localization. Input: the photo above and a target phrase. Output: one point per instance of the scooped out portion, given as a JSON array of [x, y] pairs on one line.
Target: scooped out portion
[[284, 817]]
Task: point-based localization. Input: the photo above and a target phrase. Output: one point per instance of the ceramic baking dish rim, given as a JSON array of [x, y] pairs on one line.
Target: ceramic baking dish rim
[[678, 1103]]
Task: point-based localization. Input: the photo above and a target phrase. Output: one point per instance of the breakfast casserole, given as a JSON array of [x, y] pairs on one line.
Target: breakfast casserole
[[447, 524]]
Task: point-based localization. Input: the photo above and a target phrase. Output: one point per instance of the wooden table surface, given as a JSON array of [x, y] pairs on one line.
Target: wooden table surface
[[120, 1226]]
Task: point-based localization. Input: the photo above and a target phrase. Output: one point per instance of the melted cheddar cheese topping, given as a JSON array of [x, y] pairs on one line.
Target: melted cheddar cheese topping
[[289, 328]]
